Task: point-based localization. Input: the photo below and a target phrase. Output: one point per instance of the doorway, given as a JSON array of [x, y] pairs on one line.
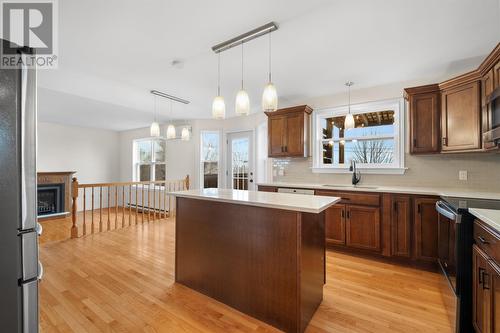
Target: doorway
[[240, 161]]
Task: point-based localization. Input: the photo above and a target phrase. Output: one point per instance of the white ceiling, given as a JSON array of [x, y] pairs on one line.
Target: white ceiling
[[112, 52]]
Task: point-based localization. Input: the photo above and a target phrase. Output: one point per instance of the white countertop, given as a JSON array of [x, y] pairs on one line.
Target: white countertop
[[286, 201], [489, 216], [442, 192]]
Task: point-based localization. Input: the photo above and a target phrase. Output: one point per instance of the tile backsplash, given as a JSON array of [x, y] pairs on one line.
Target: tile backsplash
[[483, 171]]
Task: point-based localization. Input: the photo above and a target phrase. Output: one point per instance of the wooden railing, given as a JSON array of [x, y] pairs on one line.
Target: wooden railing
[[109, 206]]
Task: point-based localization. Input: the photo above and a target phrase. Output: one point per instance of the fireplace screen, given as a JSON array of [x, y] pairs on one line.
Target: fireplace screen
[[50, 199]]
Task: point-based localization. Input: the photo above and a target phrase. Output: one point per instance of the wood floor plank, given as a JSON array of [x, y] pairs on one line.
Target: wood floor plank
[[123, 281]]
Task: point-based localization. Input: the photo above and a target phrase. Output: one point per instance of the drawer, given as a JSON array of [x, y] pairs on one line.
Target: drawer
[[353, 198], [267, 188], [487, 240]]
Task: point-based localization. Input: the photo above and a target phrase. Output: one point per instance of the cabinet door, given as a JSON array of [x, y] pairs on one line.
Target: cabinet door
[[487, 84], [363, 227], [481, 285], [400, 226], [460, 118], [495, 297], [426, 229], [276, 130], [294, 136], [335, 224], [496, 75], [424, 120]]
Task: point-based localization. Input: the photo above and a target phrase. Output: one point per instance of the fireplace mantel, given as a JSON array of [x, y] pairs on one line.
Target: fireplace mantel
[[58, 177]]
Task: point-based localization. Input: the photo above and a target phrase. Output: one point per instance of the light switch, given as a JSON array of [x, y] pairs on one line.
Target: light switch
[[462, 175]]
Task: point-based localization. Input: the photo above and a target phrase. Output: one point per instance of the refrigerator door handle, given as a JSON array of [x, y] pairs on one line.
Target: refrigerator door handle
[[40, 271]]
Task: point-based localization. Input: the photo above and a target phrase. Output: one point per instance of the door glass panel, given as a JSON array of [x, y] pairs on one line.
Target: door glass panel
[[239, 168]]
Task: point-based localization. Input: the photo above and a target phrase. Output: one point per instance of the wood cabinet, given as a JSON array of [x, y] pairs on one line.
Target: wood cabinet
[[335, 217], [487, 86], [496, 75], [426, 229], [461, 118], [363, 227], [424, 119], [401, 226], [289, 131], [481, 291], [267, 188]]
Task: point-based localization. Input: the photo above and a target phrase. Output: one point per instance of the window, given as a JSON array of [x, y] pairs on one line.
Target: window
[[209, 158], [376, 143], [150, 159]]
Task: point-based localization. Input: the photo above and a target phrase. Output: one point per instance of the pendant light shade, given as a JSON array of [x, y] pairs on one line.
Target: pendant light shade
[[218, 108], [155, 129], [185, 134], [349, 119], [171, 132], [242, 103], [269, 98], [349, 122], [270, 95]]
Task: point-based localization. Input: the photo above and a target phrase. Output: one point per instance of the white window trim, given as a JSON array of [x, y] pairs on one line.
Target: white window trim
[[398, 167], [200, 164], [135, 159]]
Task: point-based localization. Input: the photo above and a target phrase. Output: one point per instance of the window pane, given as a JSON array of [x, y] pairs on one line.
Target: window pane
[[144, 151], [328, 152], [160, 171], [210, 148], [366, 124], [144, 172], [370, 151], [210, 174], [159, 149]]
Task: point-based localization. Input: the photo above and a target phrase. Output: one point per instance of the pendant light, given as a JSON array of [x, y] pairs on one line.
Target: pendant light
[[154, 130], [171, 128], [242, 107], [218, 105], [349, 119], [270, 96], [185, 134]]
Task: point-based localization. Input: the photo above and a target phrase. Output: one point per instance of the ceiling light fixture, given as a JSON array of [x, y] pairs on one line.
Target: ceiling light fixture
[[218, 105], [185, 135], [154, 130], [349, 119], [242, 107], [270, 95]]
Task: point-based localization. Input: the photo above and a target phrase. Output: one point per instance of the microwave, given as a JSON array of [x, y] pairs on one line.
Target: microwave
[[491, 137]]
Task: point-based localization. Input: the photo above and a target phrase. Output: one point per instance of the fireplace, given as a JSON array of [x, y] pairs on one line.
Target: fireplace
[[50, 199]]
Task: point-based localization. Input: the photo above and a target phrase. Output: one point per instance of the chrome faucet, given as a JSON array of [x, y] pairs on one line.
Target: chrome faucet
[[356, 175]]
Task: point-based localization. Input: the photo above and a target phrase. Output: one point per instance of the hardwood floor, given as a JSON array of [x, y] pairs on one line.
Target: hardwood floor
[[122, 281]]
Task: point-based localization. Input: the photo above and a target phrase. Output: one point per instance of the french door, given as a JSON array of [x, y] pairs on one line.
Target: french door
[[240, 161]]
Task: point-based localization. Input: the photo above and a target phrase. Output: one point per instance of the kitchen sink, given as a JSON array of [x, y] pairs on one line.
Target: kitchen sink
[[352, 186]]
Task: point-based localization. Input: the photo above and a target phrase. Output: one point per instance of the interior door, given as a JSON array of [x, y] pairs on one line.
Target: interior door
[[240, 161]]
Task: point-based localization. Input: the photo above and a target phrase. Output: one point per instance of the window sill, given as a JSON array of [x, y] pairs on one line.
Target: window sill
[[369, 171]]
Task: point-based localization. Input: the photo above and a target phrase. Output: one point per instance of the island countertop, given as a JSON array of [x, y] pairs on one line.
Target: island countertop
[[286, 201]]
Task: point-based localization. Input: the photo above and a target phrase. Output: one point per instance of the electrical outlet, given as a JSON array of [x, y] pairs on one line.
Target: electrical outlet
[[462, 175]]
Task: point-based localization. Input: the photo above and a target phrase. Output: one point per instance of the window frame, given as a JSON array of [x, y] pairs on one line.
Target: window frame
[[397, 167], [136, 163], [201, 161]]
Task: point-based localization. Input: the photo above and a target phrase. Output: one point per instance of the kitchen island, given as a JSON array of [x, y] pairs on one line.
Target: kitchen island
[[260, 253]]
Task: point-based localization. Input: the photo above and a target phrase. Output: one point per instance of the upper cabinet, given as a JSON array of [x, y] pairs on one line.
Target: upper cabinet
[[424, 119], [461, 117], [452, 116], [288, 132]]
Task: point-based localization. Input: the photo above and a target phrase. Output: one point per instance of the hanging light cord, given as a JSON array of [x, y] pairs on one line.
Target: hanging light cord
[[349, 98], [270, 57], [155, 106], [218, 74], [242, 66]]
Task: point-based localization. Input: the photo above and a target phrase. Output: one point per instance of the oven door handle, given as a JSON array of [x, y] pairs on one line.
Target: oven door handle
[[445, 211]]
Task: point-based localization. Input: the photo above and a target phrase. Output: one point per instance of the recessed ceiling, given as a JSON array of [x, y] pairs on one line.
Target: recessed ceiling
[[111, 53]]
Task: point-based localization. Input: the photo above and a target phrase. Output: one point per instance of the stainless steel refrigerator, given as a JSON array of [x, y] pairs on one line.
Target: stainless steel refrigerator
[[20, 269]]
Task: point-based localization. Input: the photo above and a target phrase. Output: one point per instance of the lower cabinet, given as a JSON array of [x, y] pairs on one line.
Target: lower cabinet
[[335, 224], [426, 229], [485, 292], [401, 226], [363, 227]]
